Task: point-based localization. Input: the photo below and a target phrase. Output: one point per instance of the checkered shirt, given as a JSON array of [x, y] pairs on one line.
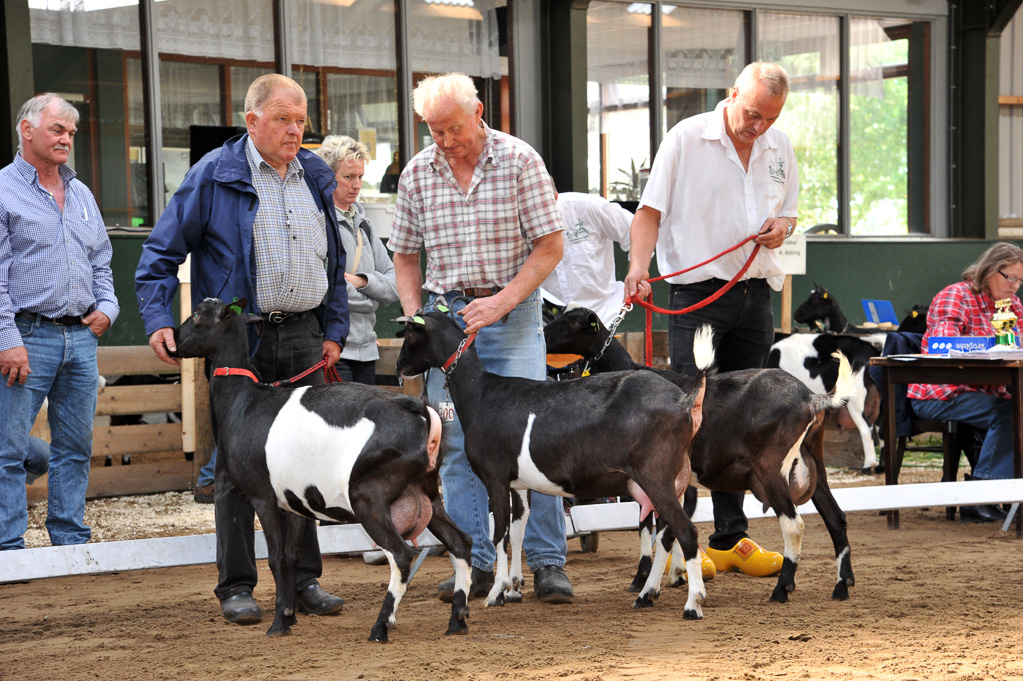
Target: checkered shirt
[[480, 237], [289, 237], [52, 262], [958, 311]]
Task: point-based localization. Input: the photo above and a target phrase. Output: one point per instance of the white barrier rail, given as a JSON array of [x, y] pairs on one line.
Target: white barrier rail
[[141, 554]]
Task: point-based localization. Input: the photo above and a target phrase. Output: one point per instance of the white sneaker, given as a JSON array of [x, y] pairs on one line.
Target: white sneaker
[[375, 557]]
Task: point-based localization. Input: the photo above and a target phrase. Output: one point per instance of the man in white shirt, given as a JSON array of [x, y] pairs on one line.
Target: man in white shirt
[[586, 274], [718, 178]]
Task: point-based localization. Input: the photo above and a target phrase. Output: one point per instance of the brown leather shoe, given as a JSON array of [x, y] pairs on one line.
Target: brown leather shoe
[[203, 495]]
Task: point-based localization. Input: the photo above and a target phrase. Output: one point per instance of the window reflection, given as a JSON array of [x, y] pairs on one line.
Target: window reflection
[[807, 46], [618, 98]]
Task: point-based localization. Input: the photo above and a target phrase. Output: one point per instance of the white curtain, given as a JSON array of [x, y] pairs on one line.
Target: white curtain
[[867, 40], [703, 49]]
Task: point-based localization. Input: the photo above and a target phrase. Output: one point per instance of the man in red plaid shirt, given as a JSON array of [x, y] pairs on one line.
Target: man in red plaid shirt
[[481, 204], [965, 309]]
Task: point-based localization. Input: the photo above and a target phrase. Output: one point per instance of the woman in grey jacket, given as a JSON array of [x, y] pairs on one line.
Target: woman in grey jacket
[[369, 271]]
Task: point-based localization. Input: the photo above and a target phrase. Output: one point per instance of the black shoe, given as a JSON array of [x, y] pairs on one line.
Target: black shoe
[[983, 513], [204, 495], [315, 601], [241, 609], [480, 584], [551, 585]]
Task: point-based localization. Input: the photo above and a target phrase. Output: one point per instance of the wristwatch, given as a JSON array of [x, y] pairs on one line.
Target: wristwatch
[[791, 229]]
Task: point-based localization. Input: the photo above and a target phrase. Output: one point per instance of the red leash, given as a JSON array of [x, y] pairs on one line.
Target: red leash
[[648, 347], [330, 374]]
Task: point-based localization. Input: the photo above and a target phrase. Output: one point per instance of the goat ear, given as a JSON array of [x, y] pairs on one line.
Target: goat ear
[[406, 319], [593, 321]]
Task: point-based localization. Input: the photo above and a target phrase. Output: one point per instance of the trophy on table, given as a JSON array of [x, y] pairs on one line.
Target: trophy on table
[[1003, 322]]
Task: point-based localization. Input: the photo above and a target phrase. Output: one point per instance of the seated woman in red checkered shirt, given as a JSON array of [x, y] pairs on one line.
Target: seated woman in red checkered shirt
[[965, 309]]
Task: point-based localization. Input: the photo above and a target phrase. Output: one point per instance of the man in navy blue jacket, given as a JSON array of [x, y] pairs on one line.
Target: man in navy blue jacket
[[257, 217]]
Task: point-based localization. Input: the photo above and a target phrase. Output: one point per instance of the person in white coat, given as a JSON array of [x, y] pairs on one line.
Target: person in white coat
[[585, 277]]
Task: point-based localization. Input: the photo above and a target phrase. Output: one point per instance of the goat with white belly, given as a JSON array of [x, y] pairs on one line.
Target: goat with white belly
[[809, 357], [341, 452], [762, 431], [616, 434]]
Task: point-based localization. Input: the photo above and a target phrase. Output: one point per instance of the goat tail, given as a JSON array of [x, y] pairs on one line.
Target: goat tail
[[845, 385], [703, 347]]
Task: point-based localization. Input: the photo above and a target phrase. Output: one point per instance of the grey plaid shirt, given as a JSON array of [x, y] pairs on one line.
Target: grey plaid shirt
[[289, 237]]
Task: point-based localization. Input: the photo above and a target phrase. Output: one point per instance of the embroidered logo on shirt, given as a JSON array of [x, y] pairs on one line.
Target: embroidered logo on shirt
[[777, 170], [576, 232]]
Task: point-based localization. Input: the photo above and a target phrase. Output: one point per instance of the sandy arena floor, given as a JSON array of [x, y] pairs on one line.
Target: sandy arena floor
[[934, 600]]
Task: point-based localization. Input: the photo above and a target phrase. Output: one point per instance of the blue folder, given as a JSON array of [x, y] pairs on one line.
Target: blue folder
[[880, 311]]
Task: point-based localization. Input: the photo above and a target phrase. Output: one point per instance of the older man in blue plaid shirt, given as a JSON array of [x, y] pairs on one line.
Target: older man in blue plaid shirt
[[56, 300]]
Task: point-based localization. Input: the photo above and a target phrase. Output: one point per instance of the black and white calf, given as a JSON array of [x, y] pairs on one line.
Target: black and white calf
[[341, 452], [617, 434], [762, 431], [810, 358]]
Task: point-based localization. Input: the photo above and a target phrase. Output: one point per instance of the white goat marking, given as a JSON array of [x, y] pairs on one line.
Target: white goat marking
[[792, 531], [303, 450], [794, 459], [530, 476]]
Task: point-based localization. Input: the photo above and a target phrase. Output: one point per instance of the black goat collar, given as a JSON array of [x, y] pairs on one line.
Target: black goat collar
[[231, 371], [453, 359]]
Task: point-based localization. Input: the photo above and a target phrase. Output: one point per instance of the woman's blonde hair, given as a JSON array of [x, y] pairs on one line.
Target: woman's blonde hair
[[338, 148], [991, 261]]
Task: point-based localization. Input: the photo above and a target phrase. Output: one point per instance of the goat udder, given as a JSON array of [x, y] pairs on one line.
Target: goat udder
[[637, 493], [411, 513]]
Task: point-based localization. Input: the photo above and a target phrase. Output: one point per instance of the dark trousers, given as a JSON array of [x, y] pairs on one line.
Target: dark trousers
[[743, 324], [354, 371], [285, 350]]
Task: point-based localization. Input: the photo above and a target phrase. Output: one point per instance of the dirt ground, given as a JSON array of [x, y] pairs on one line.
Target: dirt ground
[[934, 600]]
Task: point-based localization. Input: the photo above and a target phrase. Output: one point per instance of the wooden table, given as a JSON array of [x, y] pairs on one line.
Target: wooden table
[[905, 369]]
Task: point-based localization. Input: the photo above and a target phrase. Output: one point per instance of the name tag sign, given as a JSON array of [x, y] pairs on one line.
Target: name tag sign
[[446, 411], [792, 254]]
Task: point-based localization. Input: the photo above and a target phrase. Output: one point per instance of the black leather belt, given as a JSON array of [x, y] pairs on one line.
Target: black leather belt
[[278, 317], [66, 320], [477, 292]]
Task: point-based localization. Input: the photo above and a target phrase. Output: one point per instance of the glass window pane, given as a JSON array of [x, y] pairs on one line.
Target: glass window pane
[[808, 47], [241, 78], [78, 51], [878, 120], [365, 108], [618, 98], [702, 53]]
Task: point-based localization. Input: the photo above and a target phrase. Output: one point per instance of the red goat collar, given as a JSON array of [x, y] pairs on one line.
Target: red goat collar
[[231, 371], [453, 359]]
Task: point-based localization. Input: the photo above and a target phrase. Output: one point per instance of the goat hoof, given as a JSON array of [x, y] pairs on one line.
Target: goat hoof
[[643, 602], [780, 594], [692, 614], [497, 600], [513, 597], [275, 630], [675, 582], [841, 592], [379, 637], [456, 628]]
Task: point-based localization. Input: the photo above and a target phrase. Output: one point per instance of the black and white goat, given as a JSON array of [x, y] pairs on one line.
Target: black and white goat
[[821, 307], [618, 434], [340, 452], [810, 358], [762, 431]]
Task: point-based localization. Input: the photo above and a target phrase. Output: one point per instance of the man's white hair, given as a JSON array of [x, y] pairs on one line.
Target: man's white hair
[[32, 111], [773, 77], [457, 86]]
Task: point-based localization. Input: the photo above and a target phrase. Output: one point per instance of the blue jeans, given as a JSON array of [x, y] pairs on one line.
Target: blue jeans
[[38, 461], [206, 473], [512, 348], [63, 364], [743, 323], [984, 411]]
